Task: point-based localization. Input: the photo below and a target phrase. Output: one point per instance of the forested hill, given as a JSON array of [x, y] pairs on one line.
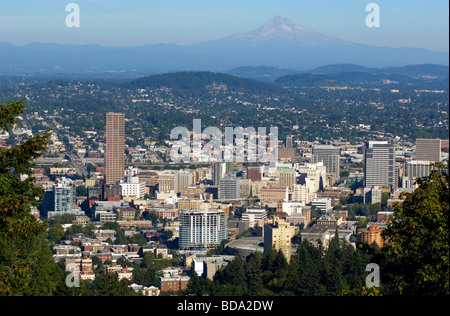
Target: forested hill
[[158, 103], [189, 82], [307, 81]]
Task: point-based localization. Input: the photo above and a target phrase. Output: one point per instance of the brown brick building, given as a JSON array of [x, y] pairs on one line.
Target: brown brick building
[[268, 195], [372, 235], [173, 281]]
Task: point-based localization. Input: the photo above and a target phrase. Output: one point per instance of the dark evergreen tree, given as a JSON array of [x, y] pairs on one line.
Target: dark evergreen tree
[[332, 274], [309, 264], [234, 273], [108, 284], [254, 274], [26, 264], [268, 264], [353, 267], [194, 286]]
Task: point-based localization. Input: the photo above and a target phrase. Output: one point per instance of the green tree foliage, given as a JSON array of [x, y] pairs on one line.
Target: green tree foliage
[[81, 190], [254, 274], [333, 266], [311, 271], [418, 239], [108, 284], [55, 232], [305, 271], [26, 265], [148, 272], [234, 273]]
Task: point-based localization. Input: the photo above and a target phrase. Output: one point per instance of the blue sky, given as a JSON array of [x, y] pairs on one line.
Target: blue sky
[[404, 23]]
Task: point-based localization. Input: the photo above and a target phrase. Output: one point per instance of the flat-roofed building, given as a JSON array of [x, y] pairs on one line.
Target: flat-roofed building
[[254, 173], [288, 177], [372, 235], [173, 281], [166, 182], [322, 204], [415, 169], [274, 195], [149, 177], [182, 180], [253, 216], [229, 188], [202, 228], [428, 149], [379, 164], [115, 147], [329, 220], [330, 156], [189, 204], [278, 235], [245, 188], [302, 193]]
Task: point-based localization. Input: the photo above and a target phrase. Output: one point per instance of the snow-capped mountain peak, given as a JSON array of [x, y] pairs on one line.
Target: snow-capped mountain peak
[[283, 30]]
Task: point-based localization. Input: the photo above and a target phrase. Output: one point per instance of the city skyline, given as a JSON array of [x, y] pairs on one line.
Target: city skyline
[[341, 190], [117, 23]]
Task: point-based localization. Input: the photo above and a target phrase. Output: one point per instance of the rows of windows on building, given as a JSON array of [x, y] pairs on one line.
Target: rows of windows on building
[[200, 198], [295, 181]]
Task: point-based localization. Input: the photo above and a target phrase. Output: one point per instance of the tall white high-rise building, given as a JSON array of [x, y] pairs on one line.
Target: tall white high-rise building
[[59, 198], [202, 228], [379, 164]]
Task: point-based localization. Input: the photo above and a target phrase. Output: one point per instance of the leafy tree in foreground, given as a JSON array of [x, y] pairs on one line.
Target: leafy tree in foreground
[[26, 265], [109, 285], [418, 237]]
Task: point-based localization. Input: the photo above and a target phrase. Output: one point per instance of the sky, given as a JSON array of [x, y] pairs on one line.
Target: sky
[[403, 23]]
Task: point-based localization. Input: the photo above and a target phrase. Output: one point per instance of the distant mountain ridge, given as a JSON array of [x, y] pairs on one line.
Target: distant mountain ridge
[[279, 43], [197, 83], [345, 74], [408, 70]]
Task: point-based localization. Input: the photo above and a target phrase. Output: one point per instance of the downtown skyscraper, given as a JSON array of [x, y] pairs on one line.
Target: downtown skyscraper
[[115, 147], [330, 156], [379, 164], [428, 150]]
